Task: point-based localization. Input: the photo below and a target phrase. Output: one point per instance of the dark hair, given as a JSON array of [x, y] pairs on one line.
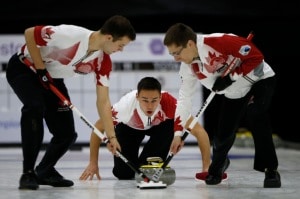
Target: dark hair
[[179, 34], [118, 26], [149, 83]]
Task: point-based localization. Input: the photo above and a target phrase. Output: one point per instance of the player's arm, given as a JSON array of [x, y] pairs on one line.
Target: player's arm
[[93, 168], [104, 111]]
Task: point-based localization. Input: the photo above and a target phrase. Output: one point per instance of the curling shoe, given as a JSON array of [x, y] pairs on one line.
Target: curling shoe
[[272, 179], [53, 178], [201, 176], [28, 180], [217, 179]]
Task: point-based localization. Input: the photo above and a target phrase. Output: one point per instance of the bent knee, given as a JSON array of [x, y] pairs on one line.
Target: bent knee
[[122, 174]]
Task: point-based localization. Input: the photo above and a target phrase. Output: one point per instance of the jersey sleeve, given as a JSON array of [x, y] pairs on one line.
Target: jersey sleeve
[[245, 54], [184, 102], [168, 104], [123, 109], [62, 35], [103, 69]]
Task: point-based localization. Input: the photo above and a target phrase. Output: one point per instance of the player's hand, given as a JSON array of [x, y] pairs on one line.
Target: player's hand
[[176, 145], [44, 78], [90, 171], [113, 145], [221, 83]]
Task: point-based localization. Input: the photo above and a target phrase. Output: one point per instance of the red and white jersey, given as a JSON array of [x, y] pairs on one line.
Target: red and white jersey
[[128, 111], [217, 51], [64, 51]]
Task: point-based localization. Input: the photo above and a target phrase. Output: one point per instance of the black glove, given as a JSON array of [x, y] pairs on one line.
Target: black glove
[[221, 83], [44, 78]]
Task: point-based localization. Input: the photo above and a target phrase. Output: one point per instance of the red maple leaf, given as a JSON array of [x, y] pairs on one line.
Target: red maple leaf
[[177, 126]]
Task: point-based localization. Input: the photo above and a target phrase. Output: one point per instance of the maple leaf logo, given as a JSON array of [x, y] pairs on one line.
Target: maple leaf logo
[[159, 117], [114, 116], [177, 126], [47, 33], [198, 73], [214, 62]]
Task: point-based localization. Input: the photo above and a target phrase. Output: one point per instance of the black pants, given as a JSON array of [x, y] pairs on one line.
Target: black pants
[[40, 104], [254, 106], [158, 145]]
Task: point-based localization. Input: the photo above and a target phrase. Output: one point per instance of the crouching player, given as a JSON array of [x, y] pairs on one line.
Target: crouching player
[[145, 112]]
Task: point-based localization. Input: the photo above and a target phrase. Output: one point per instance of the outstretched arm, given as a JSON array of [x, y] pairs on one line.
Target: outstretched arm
[[204, 144], [93, 168], [104, 111]]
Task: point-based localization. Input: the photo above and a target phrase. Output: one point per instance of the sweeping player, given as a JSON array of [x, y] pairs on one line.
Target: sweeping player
[[147, 111], [57, 52], [235, 68]]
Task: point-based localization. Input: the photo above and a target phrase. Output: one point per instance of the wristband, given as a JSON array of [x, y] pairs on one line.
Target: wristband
[[111, 137]]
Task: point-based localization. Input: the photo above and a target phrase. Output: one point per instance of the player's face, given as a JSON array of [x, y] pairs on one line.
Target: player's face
[[149, 101], [184, 53], [115, 46]]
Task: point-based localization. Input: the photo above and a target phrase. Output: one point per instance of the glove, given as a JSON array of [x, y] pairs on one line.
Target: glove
[[221, 83], [44, 78]]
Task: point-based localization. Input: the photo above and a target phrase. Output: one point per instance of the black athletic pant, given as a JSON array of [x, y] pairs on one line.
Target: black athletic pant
[[40, 104], [254, 106], [158, 145]]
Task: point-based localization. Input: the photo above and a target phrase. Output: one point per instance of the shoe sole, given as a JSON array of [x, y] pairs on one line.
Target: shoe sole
[[272, 185], [56, 185], [28, 187], [223, 179]]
